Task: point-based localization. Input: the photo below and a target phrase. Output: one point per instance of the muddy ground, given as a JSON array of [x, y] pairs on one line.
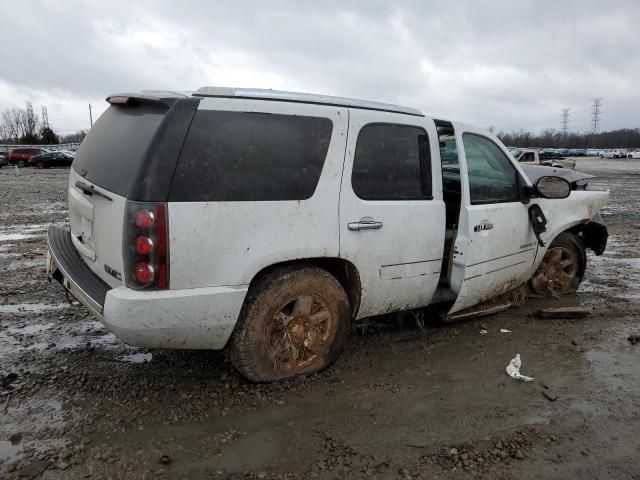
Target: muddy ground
[[402, 401]]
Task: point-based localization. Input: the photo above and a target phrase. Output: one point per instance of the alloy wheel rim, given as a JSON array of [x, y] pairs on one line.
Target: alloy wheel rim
[[300, 333], [557, 273]]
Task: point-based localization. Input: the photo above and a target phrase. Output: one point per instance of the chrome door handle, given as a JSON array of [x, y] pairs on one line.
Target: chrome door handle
[[365, 223]]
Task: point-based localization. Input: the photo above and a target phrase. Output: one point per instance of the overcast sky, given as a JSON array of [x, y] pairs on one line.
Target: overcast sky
[[510, 64]]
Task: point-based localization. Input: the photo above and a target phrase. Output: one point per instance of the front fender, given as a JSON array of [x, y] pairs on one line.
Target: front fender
[[578, 212], [594, 234]]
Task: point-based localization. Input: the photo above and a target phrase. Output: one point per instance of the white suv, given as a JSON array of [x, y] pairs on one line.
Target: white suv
[[270, 221]]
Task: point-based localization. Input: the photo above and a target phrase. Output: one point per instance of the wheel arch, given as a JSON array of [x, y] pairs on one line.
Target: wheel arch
[[593, 234], [342, 270]]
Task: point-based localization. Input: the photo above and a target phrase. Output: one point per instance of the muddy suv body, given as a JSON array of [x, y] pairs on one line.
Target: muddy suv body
[[270, 221]]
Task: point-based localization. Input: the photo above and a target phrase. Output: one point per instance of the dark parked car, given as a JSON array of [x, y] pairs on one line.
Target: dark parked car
[[20, 156], [3, 159], [51, 159]]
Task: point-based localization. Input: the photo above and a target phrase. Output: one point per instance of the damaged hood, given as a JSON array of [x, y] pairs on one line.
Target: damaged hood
[[534, 172]]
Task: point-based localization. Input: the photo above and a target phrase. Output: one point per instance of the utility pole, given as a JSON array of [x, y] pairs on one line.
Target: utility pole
[[595, 113], [565, 123], [90, 116]]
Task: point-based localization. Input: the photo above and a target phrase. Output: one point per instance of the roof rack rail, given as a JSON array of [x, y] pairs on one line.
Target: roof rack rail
[[295, 97]]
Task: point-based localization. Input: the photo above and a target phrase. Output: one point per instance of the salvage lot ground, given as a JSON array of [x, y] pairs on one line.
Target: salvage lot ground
[[402, 401]]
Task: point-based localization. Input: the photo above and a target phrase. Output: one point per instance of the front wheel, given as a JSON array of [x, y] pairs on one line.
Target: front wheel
[[21, 164], [40, 165], [294, 321], [562, 267]]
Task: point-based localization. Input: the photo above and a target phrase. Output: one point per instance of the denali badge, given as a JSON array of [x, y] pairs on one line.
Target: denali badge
[[112, 272]]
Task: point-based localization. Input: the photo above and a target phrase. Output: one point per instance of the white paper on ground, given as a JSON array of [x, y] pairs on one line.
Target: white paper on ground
[[504, 330], [513, 369]]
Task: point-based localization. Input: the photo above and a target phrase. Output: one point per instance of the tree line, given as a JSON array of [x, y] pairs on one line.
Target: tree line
[[552, 138], [22, 126]]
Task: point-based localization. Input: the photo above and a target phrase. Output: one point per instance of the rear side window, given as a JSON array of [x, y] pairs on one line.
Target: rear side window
[[112, 153], [392, 162], [248, 156]]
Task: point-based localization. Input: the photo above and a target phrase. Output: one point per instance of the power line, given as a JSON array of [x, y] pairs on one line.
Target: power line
[[595, 113]]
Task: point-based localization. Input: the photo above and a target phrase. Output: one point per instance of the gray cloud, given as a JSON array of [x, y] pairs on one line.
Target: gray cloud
[[508, 64]]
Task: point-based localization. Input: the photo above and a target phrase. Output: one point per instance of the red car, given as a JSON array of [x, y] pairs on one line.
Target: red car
[[21, 156]]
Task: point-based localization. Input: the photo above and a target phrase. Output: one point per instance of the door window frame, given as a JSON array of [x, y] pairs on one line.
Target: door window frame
[[424, 178], [519, 180]]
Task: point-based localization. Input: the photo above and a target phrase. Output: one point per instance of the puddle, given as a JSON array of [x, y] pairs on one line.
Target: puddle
[[7, 237], [30, 307], [26, 264], [22, 232], [137, 357]]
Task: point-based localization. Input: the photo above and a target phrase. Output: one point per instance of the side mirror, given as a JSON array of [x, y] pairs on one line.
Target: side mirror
[[553, 187]]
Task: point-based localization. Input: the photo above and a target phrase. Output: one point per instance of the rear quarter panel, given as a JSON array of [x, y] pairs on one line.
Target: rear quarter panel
[[227, 243]]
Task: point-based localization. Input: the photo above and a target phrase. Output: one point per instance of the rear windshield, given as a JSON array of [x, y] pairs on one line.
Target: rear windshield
[[113, 151], [248, 156]]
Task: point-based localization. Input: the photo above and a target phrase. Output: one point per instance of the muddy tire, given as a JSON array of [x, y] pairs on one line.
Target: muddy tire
[[562, 267], [21, 164], [294, 321], [40, 165]]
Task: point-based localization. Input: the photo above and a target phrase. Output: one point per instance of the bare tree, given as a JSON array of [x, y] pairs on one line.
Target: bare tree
[[19, 125], [13, 122], [31, 125]]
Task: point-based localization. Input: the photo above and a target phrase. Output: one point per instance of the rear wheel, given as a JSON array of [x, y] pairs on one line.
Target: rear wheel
[[562, 267], [21, 163], [294, 321], [40, 164]]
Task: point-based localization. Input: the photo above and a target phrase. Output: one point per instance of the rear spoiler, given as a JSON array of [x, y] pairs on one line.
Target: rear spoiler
[[160, 97]]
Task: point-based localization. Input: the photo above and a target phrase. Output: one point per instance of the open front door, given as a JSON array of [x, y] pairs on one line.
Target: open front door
[[495, 247]]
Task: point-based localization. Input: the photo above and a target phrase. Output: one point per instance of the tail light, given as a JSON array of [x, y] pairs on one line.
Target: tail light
[[146, 246]]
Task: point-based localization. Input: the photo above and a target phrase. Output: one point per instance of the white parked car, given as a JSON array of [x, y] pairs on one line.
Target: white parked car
[[268, 222], [634, 154], [611, 153]]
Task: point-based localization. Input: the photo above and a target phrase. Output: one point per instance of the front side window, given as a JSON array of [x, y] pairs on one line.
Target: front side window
[[392, 162], [248, 156], [492, 177]]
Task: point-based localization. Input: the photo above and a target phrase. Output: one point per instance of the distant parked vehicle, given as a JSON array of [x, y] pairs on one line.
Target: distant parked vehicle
[[634, 154], [51, 159], [593, 152], [531, 156], [3, 159], [21, 156], [577, 152], [549, 153]]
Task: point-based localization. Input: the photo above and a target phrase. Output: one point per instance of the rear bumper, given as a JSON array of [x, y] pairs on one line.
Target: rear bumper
[[65, 265], [194, 318]]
